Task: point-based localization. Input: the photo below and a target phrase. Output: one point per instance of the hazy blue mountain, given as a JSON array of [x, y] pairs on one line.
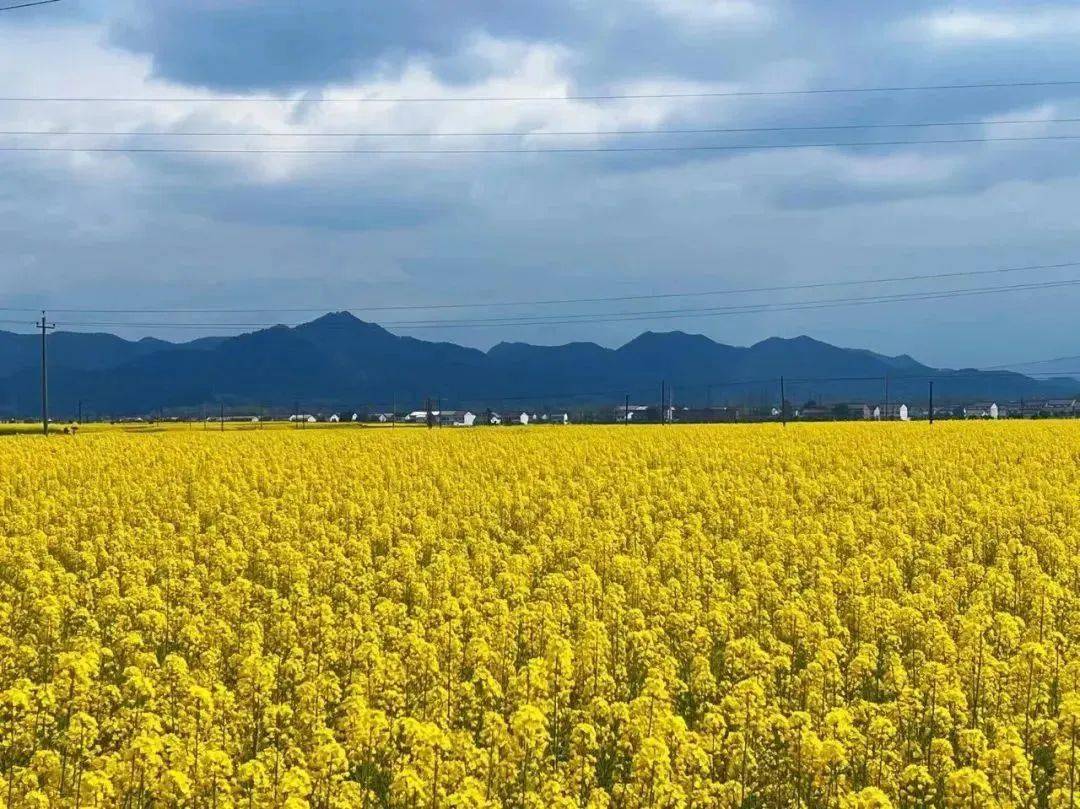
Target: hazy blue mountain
[[83, 351], [338, 362], [1063, 366]]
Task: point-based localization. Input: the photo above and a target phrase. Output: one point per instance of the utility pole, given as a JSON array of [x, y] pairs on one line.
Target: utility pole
[[222, 417], [931, 401], [45, 328], [79, 421], [663, 402], [626, 411], [885, 415], [296, 413], [783, 404], [708, 397]]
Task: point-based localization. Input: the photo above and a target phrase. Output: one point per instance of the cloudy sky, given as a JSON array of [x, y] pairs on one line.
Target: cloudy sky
[[165, 230]]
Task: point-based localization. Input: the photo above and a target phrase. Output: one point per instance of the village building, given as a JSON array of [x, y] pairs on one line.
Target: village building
[[982, 410], [706, 415]]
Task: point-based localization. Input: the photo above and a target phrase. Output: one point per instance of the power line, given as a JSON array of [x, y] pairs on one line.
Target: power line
[[941, 375], [28, 5], [729, 310], [614, 317], [538, 133], [730, 147], [282, 99], [568, 301], [1012, 365]]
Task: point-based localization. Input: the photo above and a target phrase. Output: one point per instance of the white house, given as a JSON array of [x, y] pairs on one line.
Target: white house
[[631, 413], [981, 410], [890, 412], [1061, 407], [468, 419], [334, 419]]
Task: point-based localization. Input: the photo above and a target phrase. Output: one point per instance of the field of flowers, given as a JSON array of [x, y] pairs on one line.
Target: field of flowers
[[848, 615]]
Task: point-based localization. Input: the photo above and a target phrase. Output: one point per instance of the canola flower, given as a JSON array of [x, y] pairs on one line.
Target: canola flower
[[851, 616]]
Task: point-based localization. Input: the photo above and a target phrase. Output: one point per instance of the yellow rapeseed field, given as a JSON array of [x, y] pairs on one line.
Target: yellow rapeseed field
[[859, 615]]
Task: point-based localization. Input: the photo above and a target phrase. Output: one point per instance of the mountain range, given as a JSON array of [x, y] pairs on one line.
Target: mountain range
[[340, 362]]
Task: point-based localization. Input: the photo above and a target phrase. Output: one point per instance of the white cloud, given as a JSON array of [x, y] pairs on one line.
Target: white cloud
[[899, 169], [112, 230], [1047, 22], [714, 13], [520, 69]]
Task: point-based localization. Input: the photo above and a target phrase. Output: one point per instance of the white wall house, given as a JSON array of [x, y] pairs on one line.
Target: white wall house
[[982, 410]]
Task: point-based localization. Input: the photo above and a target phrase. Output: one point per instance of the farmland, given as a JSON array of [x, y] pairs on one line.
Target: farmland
[[845, 615]]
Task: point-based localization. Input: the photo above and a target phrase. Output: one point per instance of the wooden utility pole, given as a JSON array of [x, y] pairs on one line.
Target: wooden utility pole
[[783, 404], [626, 410], [663, 402], [931, 401], [885, 415], [221, 417], [45, 328]]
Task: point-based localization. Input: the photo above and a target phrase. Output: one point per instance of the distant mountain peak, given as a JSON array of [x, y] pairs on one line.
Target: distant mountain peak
[[801, 340], [336, 318], [676, 337], [340, 361]]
